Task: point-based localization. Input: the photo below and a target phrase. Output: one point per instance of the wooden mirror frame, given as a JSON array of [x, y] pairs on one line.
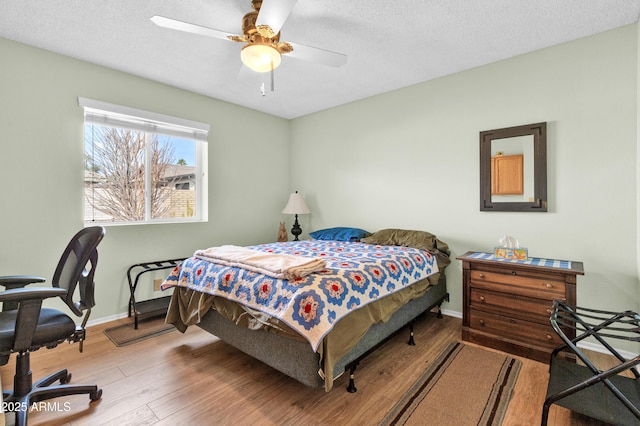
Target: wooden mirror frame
[[539, 133]]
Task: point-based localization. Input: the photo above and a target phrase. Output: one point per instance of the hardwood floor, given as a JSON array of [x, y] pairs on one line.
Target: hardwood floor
[[196, 379]]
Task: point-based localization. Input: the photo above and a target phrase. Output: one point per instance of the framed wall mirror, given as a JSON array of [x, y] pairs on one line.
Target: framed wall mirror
[[513, 169]]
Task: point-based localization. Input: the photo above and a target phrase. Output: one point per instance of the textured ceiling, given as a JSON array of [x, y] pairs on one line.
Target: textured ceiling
[[389, 44]]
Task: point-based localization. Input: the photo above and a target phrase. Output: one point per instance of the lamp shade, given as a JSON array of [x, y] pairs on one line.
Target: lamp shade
[[260, 57], [296, 205]]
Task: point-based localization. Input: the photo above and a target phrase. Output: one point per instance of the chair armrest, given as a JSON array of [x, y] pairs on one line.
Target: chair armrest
[[16, 282], [28, 302], [19, 280], [33, 293]]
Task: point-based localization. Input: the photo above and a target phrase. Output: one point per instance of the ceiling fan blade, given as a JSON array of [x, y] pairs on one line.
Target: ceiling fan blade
[[274, 13], [174, 24], [314, 54]]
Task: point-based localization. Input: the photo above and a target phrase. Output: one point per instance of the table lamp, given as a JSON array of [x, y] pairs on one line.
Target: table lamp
[[296, 206]]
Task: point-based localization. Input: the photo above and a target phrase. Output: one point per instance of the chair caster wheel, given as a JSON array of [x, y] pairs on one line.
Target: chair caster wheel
[[94, 396], [66, 379]]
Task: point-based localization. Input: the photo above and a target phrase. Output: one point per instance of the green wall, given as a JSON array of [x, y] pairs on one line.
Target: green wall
[[41, 169], [406, 159], [410, 159]]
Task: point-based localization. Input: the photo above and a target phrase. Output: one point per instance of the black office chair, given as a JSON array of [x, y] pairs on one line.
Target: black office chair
[[25, 326]]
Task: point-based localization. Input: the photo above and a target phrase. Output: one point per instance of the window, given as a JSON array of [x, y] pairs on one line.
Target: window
[[142, 167]]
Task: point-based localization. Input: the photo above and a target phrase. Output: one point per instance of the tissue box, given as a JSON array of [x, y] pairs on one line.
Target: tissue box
[[520, 253]]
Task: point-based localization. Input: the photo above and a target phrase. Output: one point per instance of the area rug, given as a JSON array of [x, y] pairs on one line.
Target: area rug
[[465, 385], [125, 334]]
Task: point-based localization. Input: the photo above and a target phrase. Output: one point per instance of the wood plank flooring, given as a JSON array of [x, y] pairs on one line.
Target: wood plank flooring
[[196, 379]]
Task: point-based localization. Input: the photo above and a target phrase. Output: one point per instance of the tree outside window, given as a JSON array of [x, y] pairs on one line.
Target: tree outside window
[[138, 176]]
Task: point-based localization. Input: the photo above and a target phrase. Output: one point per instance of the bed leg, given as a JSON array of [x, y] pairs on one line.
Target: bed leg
[[439, 314], [352, 384], [411, 341]]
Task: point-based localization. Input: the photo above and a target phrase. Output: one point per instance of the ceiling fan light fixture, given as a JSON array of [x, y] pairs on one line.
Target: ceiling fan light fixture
[[260, 57]]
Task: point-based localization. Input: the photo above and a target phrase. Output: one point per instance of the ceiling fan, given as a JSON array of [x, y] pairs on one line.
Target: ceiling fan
[[263, 49]]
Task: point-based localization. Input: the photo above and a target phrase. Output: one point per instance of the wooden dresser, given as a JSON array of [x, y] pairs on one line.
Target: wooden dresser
[[506, 305]]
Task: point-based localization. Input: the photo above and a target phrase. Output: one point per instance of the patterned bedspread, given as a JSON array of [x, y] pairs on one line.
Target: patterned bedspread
[[356, 275]]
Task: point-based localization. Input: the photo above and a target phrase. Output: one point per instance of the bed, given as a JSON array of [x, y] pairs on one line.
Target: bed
[[315, 327]]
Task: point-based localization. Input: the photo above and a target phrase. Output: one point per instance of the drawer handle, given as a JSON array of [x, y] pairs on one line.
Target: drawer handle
[[481, 276], [481, 322], [549, 285], [549, 310], [482, 299], [549, 337]]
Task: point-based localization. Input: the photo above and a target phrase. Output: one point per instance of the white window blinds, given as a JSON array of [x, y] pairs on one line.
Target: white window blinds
[[106, 114]]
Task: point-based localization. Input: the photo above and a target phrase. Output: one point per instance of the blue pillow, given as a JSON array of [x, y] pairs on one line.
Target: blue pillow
[[339, 234]]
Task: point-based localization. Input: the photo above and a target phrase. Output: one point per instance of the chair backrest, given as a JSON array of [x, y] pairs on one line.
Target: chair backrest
[[77, 266]]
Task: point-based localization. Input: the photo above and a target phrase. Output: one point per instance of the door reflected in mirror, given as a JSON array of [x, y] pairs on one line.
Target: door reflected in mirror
[[513, 168]]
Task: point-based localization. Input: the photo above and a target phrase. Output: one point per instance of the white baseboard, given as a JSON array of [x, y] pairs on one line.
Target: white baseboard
[[452, 313], [106, 319], [599, 348]]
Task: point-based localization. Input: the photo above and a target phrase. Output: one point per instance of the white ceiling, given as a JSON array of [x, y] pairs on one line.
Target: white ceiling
[[390, 44]]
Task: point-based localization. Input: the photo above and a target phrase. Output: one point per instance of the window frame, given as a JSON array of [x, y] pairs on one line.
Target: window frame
[[105, 114]]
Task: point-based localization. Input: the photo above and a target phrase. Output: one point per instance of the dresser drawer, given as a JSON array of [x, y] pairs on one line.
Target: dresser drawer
[[514, 328], [540, 286], [511, 304]]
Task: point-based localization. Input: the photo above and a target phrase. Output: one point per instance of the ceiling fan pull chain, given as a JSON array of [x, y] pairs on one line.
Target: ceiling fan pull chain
[[272, 78]]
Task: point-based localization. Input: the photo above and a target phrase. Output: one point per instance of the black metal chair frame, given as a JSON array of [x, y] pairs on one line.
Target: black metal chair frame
[[22, 307], [613, 398]]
